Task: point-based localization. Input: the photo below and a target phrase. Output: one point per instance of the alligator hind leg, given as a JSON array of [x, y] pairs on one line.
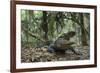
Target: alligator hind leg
[[73, 50]]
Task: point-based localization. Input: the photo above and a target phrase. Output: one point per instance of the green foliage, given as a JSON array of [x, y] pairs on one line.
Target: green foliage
[[51, 24]]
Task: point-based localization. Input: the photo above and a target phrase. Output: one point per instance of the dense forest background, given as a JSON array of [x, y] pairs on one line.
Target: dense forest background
[[38, 28]]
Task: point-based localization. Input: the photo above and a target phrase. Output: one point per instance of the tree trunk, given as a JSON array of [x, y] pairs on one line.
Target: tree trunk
[[45, 26], [84, 39]]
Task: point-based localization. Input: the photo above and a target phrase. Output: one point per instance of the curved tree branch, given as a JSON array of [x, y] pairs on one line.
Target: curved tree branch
[[31, 34]]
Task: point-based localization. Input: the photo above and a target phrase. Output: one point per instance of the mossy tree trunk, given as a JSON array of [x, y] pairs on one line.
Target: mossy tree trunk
[[83, 36]]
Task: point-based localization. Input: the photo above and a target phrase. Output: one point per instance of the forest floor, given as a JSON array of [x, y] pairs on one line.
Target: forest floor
[[42, 55]]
